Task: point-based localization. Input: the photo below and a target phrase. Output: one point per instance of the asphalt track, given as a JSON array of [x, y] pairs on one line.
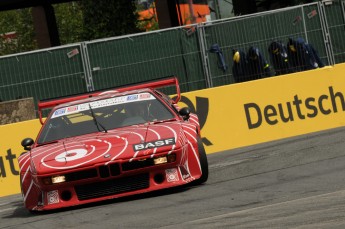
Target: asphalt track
[[292, 183]]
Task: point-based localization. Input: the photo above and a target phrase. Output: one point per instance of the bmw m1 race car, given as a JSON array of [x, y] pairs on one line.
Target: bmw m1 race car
[[104, 145]]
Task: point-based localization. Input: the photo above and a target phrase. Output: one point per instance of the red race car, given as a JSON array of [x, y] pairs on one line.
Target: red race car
[[103, 145]]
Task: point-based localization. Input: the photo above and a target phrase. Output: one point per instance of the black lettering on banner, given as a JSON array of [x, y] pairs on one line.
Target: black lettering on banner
[[282, 115], [322, 109], [252, 125], [297, 102], [333, 97], [2, 168], [309, 106], [324, 104], [201, 109], [270, 111], [10, 157]]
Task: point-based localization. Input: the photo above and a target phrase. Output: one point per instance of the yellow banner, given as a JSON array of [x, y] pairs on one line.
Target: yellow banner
[[230, 116], [10, 150], [259, 111]]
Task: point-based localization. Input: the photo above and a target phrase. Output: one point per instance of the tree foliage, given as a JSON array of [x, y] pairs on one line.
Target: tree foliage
[[76, 22], [252, 6], [108, 18], [267, 4], [69, 20], [88, 20], [20, 23]]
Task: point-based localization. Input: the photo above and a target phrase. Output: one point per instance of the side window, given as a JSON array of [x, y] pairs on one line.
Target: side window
[[53, 130], [159, 111], [168, 100]]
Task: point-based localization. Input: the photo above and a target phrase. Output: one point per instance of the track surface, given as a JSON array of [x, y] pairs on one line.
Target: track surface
[[293, 183]]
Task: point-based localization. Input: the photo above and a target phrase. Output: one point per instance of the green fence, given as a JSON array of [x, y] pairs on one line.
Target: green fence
[[43, 74], [182, 51], [335, 15], [131, 59], [259, 31]]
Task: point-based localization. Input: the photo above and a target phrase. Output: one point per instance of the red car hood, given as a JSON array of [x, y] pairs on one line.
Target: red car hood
[[102, 148]]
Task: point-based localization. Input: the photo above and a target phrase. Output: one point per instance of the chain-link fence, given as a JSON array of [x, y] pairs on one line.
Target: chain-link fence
[[255, 38], [129, 59], [42, 74], [201, 56], [335, 15]]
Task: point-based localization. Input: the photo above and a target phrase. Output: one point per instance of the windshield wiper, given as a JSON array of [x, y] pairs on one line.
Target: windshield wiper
[[165, 120], [98, 124]]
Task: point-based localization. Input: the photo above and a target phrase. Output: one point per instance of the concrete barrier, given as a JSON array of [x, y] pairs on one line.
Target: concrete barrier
[[17, 111]]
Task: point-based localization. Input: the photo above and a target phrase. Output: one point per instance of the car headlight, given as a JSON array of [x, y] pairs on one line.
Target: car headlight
[[165, 159], [54, 180], [58, 179], [160, 160]]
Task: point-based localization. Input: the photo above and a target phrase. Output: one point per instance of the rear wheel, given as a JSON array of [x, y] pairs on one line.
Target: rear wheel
[[203, 164]]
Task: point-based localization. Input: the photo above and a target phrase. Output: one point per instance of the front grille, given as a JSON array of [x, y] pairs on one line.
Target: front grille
[[81, 175], [114, 169], [127, 166], [105, 170], [112, 187]]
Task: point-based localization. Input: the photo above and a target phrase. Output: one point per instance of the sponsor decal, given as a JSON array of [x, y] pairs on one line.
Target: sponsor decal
[[312, 14], [71, 109], [107, 102], [59, 112], [296, 109], [297, 20], [172, 175], [154, 144], [132, 97], [73, 53], [103, 103], [145, 96], [53, 197]]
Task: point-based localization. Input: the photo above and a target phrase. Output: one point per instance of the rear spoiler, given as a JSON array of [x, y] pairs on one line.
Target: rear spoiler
[[163, 82]]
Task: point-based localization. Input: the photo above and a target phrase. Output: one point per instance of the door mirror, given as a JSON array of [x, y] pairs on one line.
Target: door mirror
[[185, 113], [27, 143]]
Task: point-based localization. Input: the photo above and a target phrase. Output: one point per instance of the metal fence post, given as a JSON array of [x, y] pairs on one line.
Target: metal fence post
[[304, 24], [87, 67], [326, 34], [343, 9], [204, 55]]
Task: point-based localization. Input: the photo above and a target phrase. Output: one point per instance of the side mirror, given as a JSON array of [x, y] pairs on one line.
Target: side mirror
[[184, 112], [27, 143]]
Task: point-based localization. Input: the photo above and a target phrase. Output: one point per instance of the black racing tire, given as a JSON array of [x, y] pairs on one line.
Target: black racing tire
[[203, 164], [20, 183]]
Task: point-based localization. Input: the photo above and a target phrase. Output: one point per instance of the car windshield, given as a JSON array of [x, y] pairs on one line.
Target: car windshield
[[103, 115]]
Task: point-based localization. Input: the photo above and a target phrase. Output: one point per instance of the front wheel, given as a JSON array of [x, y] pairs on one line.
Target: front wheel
[[203, 164]]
